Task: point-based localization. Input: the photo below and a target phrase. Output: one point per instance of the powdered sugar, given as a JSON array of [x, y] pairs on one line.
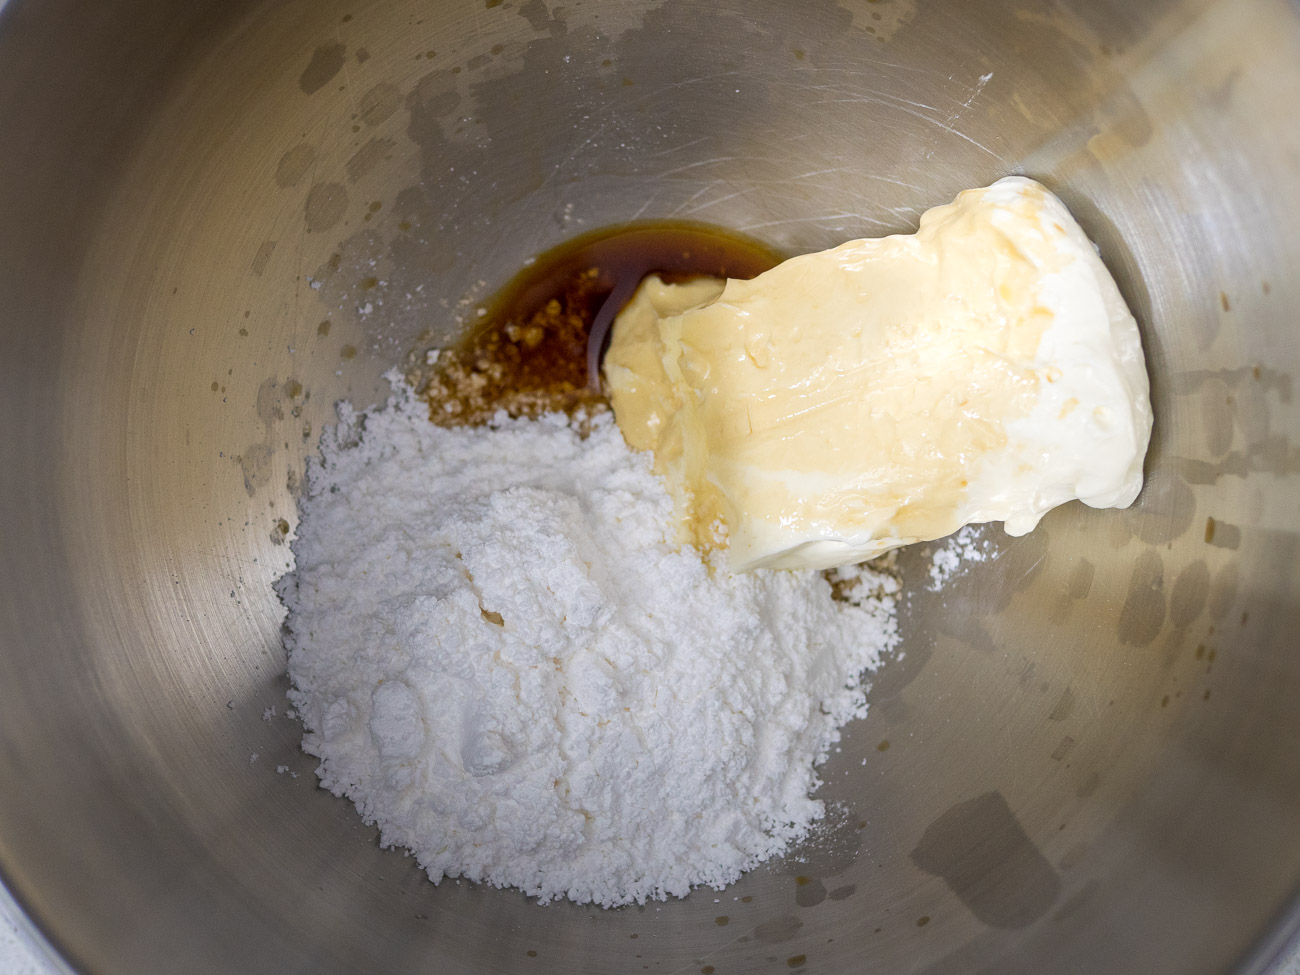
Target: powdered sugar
[[966, 546], [499, 657]]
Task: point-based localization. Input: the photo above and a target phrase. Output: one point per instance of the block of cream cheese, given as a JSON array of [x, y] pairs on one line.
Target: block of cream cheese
[[891, 390]]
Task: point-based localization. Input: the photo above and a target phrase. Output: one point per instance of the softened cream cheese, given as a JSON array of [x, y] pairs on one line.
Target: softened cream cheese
[[890, 390]]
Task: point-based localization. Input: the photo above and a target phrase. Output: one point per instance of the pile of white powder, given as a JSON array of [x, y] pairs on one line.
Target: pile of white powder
[[501, 659]]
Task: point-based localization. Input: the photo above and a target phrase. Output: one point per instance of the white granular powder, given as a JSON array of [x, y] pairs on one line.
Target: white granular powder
[[500, 658], [955, 554]]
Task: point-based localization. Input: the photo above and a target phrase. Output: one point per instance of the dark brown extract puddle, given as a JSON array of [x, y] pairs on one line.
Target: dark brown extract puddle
[[528, 355]]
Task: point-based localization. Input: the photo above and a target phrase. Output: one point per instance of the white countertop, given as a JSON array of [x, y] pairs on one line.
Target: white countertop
[[18, 956]]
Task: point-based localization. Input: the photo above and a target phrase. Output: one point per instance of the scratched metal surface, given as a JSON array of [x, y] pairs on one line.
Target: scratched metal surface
[[220, 219]]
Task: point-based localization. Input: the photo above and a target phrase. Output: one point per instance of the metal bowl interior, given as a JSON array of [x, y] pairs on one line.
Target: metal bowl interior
[[218, 219]]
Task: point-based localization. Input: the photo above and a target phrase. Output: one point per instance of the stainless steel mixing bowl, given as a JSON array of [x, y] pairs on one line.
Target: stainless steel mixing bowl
[[218, 218]]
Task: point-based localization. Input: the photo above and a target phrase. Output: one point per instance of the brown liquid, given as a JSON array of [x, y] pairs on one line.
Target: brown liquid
[[528, 355]]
